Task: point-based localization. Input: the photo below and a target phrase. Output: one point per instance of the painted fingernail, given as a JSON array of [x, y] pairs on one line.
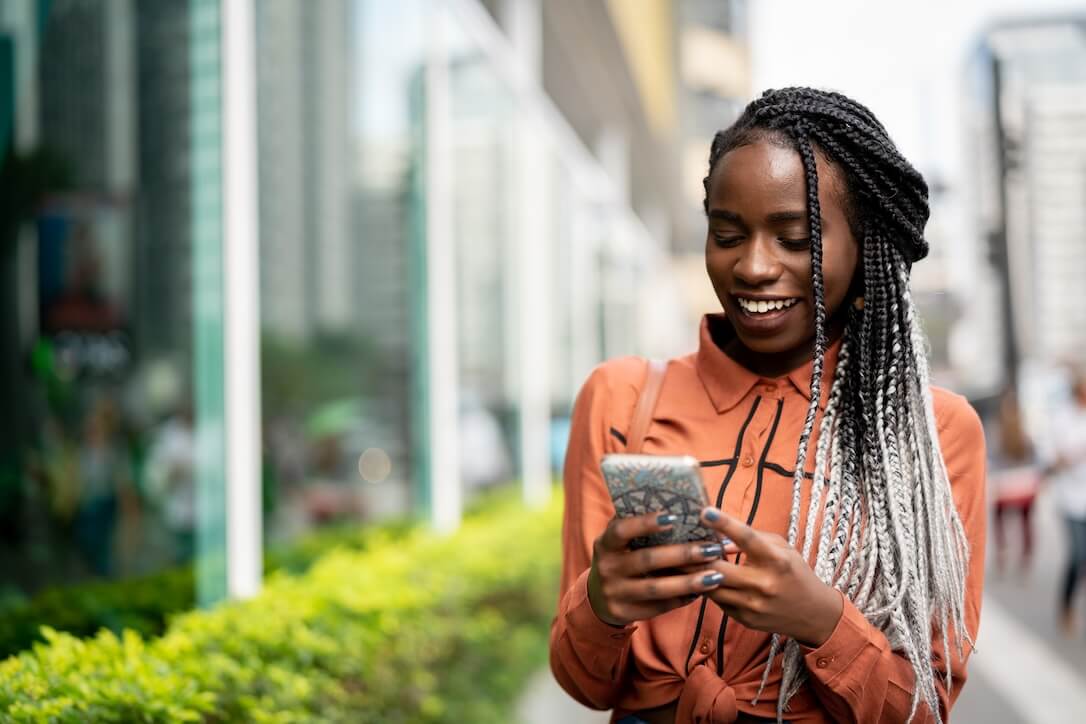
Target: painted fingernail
[[712, 514], [713, 579], [726, 541], [711, 550], [666, 519]]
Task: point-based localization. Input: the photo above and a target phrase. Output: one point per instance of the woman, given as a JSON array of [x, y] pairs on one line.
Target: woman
[[1014, 478], [852, 492]]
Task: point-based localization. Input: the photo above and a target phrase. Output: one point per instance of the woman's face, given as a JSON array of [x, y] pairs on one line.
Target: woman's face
[[758, 253]]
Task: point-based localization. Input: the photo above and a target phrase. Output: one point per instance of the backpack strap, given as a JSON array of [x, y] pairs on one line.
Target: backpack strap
[[646, 404]]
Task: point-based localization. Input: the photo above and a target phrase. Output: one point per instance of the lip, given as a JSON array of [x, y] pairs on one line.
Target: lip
[[767, 324]]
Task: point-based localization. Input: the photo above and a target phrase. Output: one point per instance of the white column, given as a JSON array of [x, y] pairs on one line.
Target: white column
[[442, 366], [534, 304], [242, 302], [528, 258]]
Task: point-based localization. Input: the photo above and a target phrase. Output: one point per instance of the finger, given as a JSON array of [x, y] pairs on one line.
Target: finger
[[741, 578], [654, 558], [620, 531], [735, 604], [730, 548], [633, 590], [648, 609], [746, 538]]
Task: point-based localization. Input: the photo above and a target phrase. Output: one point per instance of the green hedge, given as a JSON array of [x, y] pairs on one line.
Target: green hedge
[[144, 604], [420, 629]]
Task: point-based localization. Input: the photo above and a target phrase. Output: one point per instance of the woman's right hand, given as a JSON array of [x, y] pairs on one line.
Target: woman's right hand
[[621, 585]]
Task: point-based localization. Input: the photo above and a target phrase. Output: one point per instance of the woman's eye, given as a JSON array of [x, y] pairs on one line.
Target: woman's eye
[[727, 240], [795, 244]]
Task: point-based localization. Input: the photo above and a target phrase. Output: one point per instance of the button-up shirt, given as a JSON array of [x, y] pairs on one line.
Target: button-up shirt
[[744, 430]]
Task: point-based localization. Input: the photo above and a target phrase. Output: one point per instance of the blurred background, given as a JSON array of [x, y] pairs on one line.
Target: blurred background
[[355, 258]]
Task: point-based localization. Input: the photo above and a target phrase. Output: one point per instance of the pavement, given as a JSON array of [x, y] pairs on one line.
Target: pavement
[[1024, 670]]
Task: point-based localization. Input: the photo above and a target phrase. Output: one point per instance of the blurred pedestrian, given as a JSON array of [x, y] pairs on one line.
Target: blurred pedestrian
[[1067, 475], [849, 494], [1014, 476], [171, 479], [103, 478]]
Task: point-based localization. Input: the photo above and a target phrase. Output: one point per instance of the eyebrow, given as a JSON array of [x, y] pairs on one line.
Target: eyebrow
[[775, 217]]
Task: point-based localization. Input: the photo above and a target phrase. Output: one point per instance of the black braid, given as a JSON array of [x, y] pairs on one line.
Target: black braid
[[906, 567]]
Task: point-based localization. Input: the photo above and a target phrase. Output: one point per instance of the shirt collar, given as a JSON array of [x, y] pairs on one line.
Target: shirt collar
[[727, 382]]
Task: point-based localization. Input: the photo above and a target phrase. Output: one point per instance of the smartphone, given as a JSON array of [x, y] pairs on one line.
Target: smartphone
[[642, 484]]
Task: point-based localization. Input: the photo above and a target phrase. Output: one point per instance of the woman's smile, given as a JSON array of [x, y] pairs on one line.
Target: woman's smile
[[763, 316]]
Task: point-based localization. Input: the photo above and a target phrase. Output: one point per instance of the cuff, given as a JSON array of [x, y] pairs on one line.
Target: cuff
[[848, 640], [587, 628]]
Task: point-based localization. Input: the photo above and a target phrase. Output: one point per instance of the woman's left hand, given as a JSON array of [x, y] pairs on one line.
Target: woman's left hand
[[772, 588]]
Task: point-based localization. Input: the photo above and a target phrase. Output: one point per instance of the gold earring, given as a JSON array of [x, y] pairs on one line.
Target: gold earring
[[858, 303]]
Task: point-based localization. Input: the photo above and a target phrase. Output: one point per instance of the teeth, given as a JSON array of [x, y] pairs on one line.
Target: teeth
[[762, 306]]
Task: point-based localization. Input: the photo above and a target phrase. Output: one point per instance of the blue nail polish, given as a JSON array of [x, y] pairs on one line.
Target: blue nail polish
[[666, 519], [725, 541], [712, 515], [713, 579], [711, 550]]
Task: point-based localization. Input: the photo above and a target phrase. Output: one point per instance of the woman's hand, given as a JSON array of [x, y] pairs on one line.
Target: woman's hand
[[621, 584], [772, 589]]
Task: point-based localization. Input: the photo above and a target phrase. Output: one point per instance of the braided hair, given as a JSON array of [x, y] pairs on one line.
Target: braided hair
[[890, 537]]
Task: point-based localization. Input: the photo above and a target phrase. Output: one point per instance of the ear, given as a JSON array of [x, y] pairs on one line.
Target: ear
[[856, 286]]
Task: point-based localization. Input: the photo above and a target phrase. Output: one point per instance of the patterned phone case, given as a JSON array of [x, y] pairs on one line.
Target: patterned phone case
[[642, 484]]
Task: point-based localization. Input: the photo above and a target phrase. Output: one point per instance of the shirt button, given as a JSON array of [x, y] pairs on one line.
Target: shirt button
[[822, 662], [748, 461]]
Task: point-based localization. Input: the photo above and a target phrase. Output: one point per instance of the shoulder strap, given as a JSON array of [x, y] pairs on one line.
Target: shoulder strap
[[646, 404]]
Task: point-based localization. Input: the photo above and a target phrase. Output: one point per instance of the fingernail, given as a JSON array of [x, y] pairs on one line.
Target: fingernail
[[713, 579], [725, 541], [712, 514], [712, 550], [666, 519]]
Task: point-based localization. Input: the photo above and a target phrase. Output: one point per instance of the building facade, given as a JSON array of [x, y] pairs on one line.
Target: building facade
[[458, 208]]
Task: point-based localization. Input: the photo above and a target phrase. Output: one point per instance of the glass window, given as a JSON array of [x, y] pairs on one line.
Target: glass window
[[110, 147], [336, 83]]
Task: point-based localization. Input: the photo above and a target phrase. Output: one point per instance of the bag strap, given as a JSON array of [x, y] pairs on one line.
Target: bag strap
[[646, 404]]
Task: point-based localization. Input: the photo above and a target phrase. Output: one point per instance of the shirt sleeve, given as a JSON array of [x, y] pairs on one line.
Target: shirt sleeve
[[855, 674], [588, 657]]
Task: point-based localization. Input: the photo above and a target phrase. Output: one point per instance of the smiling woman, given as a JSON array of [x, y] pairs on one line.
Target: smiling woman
[[853, 593]]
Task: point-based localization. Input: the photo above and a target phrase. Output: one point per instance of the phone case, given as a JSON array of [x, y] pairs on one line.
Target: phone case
[[642, 484]]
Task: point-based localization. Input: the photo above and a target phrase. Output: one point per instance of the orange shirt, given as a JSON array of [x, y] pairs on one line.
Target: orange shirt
[[744, 429]]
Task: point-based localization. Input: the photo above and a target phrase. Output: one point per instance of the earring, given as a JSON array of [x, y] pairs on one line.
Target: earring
[[858, 303]]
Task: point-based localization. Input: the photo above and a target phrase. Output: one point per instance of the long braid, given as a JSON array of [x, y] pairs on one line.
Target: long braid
[[814, 215], [880, 523]]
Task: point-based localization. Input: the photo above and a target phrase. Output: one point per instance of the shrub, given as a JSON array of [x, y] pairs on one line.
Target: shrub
[[144, 604], [420, 629]]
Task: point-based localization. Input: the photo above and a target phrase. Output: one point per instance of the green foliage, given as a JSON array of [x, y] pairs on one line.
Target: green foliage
[[422, 628], [145, 604]]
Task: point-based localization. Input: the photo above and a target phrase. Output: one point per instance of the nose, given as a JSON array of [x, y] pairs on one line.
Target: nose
[[758, 265]]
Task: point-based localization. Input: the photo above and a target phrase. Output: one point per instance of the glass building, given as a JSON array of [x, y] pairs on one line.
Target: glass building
[[271, 265]]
